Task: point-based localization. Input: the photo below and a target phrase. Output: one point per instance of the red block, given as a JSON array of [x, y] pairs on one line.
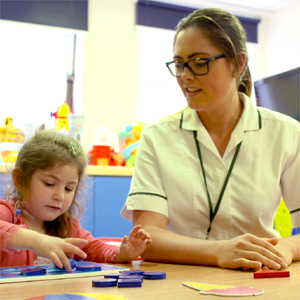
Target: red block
[[267, 273]]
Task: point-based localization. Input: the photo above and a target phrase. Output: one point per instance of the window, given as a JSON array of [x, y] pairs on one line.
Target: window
[[158, 92], [34, 63]]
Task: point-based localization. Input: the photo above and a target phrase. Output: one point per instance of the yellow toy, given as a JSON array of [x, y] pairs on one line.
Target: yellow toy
[[9, 133], [283, 222], [62, 117], [11, 139]]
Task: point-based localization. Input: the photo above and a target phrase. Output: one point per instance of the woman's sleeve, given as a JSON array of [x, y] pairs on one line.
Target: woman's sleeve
[[146, 191], [290, 180]]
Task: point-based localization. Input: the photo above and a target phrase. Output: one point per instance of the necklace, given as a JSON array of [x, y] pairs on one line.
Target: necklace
[[213, 213]]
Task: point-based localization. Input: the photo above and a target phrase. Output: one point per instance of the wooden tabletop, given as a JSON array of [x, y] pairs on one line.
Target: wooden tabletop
[[170, 288]]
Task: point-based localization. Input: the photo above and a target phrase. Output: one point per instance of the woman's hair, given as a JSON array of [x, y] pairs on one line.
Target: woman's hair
[[45, 150], [226, 33]]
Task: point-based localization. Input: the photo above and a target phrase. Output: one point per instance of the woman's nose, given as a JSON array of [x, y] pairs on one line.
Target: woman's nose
[[187, 75]]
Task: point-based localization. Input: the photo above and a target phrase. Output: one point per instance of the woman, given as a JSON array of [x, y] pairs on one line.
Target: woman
[[208, 180]]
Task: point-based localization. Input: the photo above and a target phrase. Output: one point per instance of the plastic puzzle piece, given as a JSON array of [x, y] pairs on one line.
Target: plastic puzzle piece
[[132, 277], [83, 296], [223, 290], [88, 267], [124, 283], [206, 286], [72, 264], [113, 275], [67, 297], [267, 273], [237, 291], [133, 272], [106, 282], [33, 271], [155, 275]]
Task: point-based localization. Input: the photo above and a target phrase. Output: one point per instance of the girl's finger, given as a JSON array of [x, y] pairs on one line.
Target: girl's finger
[[65, 261], [77, 251], [55, 259], [125, 241], [142, 234]]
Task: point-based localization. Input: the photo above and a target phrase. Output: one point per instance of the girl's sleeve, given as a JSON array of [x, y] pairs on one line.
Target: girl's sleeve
[[96, 250], [7, 226]]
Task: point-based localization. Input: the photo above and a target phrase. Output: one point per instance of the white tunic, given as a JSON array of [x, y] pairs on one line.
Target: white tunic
[[168, 177]]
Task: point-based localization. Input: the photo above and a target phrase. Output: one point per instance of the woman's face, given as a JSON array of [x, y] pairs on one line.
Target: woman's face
[[212, 91]]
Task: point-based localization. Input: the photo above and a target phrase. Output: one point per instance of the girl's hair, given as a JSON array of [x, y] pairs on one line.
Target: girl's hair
[[45, 150], [226, 33]]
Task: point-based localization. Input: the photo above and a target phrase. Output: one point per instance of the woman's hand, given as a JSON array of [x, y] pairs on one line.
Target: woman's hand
[[290, 247], [134, 245], [250, 252], [56, 249]]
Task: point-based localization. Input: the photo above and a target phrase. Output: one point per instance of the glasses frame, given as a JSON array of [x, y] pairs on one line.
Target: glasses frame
[[186, 64]]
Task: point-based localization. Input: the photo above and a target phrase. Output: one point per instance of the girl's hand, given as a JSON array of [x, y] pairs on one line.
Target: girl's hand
[[56, 249], [134, 245], [250, 252]]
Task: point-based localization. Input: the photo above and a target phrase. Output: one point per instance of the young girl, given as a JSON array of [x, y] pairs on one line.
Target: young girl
[[38, 223]]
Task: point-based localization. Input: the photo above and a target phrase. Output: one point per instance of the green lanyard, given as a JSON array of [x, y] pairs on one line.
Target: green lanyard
[[213, 213]]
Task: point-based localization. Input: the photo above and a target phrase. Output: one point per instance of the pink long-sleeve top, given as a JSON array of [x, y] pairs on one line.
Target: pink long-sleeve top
[[96, 250]]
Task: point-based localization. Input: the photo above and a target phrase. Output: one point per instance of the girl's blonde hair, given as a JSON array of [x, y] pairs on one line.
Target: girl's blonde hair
[[45, 150]]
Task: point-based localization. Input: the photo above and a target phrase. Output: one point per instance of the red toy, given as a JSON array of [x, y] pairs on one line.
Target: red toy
[[267, 273]]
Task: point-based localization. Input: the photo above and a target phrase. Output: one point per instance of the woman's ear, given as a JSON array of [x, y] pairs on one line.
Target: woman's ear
[[242, 62], [17, 176]]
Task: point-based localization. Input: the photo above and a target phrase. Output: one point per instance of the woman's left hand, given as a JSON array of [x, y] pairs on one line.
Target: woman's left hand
[[134, 245], [287, 247]]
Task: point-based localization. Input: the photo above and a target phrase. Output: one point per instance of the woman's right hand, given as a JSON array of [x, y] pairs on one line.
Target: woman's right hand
[[250, 252], [56, 249]]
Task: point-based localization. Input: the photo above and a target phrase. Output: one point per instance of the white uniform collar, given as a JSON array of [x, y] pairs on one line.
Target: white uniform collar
[[250, 119]]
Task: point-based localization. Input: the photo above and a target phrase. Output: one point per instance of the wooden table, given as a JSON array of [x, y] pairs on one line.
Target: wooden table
[[170, 288]]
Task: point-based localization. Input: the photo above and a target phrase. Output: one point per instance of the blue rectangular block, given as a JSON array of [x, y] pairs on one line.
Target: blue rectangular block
[[122, 283], [33, 271]]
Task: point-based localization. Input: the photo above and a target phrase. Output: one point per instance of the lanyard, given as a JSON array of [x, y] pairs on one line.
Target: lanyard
[[213, 213]]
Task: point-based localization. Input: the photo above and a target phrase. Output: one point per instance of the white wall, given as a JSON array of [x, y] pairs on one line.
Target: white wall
[[110, 56], [279, 42]]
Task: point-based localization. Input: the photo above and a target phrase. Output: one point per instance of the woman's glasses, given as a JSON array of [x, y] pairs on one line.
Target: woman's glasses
[[197, 66]]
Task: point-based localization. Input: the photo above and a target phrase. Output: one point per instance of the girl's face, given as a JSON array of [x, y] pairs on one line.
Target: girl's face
[[209, 92], [51, 192]]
